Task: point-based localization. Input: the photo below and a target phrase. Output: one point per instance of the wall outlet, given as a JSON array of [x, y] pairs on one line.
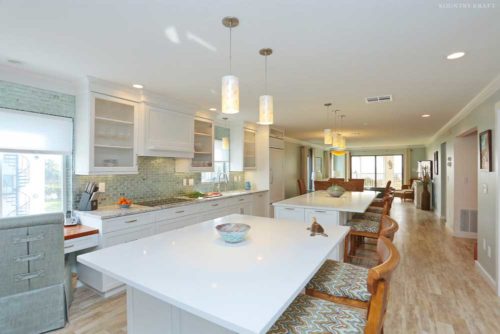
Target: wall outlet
[[485, 188], [102, 187], [184, 182], [489, 252], [484, 244], [191, 182]]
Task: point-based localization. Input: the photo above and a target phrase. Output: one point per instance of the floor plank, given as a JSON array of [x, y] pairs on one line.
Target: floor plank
[[436, 288]]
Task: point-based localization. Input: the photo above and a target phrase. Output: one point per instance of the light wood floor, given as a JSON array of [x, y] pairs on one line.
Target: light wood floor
[[436, 288]]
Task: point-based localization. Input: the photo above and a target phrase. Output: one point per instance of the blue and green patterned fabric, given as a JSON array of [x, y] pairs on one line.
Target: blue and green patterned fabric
[[375, 209], [309, 315], [341, 279], [376, 217], [362, 225]]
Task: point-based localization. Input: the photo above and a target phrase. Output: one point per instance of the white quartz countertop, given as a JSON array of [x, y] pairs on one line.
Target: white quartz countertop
[[243, 287], [112, 211], [348, 202]]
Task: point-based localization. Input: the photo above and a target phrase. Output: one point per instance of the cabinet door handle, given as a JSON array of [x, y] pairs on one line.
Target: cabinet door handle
[[180, 211], [131, 221], [27, 276], [320, 211], [291, 209], [217, 204], [69, 246], [241, 199]]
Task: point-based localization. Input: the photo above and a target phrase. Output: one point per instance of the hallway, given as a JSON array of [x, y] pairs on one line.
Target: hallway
[[436, 288]]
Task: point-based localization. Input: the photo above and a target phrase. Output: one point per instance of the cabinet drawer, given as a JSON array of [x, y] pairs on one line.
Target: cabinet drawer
[[76, 244], [239, 200], [213, 205], [289, 213], [132, 221], [323, 217], [129, 235], [173, 224], [173, 213]]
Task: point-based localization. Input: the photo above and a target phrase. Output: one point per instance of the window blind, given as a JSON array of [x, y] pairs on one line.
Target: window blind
[[32, 132]]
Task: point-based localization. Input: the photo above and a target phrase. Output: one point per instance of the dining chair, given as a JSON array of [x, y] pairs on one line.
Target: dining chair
[[346, 283], [369, 226], [387, 191], [307, 314], [321, 185], [302, 186]]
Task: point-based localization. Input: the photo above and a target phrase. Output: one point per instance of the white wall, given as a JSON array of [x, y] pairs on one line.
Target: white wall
[[465, 176], [482, 118]]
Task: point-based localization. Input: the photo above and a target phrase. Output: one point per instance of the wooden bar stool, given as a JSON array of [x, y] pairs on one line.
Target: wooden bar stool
[[345, 283], [308, 314]]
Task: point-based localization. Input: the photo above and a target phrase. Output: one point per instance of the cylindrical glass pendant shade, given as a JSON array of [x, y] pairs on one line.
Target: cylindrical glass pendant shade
[[335, 140], [230, 95], [225, 143], [266, 116], [327, 134], [341, 145]]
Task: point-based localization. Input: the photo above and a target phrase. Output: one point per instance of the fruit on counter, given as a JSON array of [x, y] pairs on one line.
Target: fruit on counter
[[214, 194], [124, 201], [195, 194]]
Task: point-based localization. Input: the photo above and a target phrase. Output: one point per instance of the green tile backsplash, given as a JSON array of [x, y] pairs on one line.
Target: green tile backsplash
[[156, 177]]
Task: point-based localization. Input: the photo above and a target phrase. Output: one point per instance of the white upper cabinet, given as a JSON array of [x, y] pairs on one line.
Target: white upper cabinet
[[166, 133], [242, 148], [105, 135]]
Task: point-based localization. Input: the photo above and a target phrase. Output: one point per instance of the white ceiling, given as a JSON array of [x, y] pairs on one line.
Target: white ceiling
[[324, 51]]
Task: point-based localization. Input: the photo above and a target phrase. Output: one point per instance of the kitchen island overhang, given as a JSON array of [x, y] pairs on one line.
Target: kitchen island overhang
[[190, 281]]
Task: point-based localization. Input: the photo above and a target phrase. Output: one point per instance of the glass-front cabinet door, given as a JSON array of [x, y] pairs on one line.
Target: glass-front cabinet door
[[114, 134]]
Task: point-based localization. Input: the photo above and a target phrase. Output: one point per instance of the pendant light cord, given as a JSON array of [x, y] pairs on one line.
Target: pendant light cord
[[265, 74], [230, 48]]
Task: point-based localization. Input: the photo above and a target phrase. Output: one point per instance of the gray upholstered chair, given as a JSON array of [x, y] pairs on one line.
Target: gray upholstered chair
[[32, 296]]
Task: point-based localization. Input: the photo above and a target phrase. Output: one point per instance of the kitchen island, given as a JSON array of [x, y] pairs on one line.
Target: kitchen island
[[190, 281], [323, 207]]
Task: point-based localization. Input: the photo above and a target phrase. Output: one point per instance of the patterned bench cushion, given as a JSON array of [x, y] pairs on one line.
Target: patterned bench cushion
[[341, 279], [376, 217], [362, 225], [375, 209], [309, 315]]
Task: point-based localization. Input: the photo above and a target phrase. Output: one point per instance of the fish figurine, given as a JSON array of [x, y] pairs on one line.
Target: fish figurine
[[316, 229]]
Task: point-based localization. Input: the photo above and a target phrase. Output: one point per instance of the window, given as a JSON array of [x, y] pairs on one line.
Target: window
[[33, 148], [221, 164], [31, 183], [376, 170]]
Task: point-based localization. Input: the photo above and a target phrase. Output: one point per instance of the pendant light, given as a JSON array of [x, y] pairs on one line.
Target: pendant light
[[341, 145], [266, 112], [335, 135], [327, 133], [230, 92], [225, 139]]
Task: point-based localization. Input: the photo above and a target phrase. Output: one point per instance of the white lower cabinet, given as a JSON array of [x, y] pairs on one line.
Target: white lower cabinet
[[289, 213], [323, 217], [128, 228], [260, 204]]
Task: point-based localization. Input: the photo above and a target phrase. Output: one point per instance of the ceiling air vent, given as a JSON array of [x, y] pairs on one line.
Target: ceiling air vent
[[378, 99]]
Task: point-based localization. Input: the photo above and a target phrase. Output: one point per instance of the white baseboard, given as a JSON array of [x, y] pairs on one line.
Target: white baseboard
[[491, 282], [469, 235]]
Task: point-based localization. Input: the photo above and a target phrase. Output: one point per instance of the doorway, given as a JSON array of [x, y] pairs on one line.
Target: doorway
[[442, 169], [465, 222]]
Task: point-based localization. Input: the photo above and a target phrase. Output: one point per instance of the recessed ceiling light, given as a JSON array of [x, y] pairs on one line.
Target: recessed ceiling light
[[455, 55], [138, 86], [212, 109], [426, 115]]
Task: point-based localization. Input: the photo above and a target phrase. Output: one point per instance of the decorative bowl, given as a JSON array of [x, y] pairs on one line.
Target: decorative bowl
[[335, 191], [125, 206], [233, 232]]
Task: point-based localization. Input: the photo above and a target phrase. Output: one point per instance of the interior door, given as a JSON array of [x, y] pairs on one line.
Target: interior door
[[276, 175]]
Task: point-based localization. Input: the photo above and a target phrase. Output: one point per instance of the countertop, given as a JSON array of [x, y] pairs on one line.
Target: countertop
[[77, 231], [348, 202], [113, 211], [243, 287]]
